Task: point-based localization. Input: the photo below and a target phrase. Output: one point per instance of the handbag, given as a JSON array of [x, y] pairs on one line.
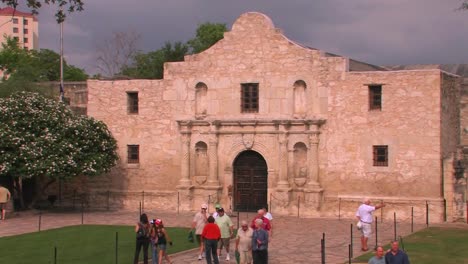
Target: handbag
[[359, 225], [190, 236]]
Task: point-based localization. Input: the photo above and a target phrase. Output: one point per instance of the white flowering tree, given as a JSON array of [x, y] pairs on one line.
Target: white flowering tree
[[40, 137]]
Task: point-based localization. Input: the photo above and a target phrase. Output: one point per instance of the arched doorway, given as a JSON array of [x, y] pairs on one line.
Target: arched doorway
[[250, 181]]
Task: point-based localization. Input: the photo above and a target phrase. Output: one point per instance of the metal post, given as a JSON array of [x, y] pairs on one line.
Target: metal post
[[269, 208], [339, 208], [116, 247], [323, 248], [427, 214], [381, 212], [143, 201], [394, 226], [55, 254], [298, 205], [351, 235], [412, 218], [376, 233], [108, 200], [178, 202], [238, 219], [140, 209], [82, 213], [445, 210], [350, 252], [40, 219], [74, 199]]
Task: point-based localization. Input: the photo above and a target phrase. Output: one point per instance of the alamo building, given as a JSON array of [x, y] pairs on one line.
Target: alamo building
[[258, 119]]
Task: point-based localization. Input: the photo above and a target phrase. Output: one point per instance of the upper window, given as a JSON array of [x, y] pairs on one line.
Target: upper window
[[133, 154], [380, 156], [15, 30], [25, 21], [25, 31], [25, 40], [132, 102], [249, 98], [375, 97], [15, 20]]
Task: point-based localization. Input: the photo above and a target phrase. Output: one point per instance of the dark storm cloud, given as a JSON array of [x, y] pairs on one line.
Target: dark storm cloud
[[375, 31]]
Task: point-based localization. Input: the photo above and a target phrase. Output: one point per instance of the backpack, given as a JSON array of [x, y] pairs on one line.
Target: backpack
[[142, 232]]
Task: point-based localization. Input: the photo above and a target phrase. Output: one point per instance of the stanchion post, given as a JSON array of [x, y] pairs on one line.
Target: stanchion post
[[298, 205], [381, 212], [350, 253], [351, 238], [412, 218], [40, 220], [178, 202], [82, 212], [108, 200], [323, 256], [445, 210], [143, 200], [74, 199], [394, 226], [427, 214], [139, 210], [116, 247], [55, 254], [376, 233], [269, 208], [339, 208], [238, 219]]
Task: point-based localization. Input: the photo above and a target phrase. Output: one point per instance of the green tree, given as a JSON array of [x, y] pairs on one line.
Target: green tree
[[464, 5], [41, 138], [151, 65], [63, 6], [206, 36]]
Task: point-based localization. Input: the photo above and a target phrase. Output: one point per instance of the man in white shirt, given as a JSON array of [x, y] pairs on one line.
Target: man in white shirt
[[364, 215], [198, 223]]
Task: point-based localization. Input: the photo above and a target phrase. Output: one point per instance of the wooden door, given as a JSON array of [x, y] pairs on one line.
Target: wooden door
[[250, 182]]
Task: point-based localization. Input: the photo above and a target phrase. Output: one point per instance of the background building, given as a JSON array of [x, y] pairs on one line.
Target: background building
[[258, 119], [21, 26]]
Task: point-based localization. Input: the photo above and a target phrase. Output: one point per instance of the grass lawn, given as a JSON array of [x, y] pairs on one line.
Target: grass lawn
[[81, 244], [434, 245]]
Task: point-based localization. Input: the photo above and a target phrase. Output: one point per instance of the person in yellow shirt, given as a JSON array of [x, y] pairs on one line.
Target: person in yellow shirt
[[4, 198]]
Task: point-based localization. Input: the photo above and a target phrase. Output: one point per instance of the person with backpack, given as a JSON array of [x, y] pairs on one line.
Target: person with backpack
[[142, 230], [162, 238]]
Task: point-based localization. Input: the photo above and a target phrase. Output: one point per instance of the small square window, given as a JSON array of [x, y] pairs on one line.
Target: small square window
[[133, 154], [25, 21], [15, 20], [375, 97], [380, 156], [132, 102], [25, 31], [25, 40], [249, 98], [15, 30]]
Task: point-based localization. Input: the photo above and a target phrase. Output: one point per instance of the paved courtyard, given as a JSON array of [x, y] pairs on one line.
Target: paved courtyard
[[295, 240]]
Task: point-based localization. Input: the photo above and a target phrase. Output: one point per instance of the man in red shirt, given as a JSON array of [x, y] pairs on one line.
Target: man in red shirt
[[266, 223], [210, 236]]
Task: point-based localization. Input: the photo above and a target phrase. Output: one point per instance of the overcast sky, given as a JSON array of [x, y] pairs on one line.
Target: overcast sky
[[380, 32]]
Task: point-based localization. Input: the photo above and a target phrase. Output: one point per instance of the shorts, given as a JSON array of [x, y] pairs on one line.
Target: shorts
[[198, 238], [3, 206], [366, 229], [162, 247], [223, 242], [245, 257]]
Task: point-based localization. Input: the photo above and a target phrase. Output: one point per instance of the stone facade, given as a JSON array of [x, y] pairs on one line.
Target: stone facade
[[312, 128]]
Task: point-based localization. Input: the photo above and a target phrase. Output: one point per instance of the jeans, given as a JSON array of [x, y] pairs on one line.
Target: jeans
[[260, 256], [210, 250], [141, 243], [154, 253]]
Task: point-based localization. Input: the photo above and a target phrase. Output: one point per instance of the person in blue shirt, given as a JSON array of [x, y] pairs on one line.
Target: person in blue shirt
[[396, 255], [259, 243]]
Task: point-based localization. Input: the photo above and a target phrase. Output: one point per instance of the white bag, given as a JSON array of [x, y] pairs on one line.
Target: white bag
[[359, 225]]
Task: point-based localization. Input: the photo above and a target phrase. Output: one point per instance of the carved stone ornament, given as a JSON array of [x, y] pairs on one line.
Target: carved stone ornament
[[200, 179], [248, 140]]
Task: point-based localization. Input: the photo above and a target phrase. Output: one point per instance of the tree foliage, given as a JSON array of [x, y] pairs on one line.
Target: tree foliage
[[151, 65], [62, 6], [464, 5], [42, 137]]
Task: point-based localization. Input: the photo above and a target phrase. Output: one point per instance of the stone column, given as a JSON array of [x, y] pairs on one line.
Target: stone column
[[313, 159], [283, 162], [213, 160], [185, 162]]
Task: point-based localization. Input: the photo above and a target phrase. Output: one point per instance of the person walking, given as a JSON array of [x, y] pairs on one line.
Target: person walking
[[5, 196], [210, 236], [142, 230], [364, 215], [163, 238], [154, 243], [379, 256], [244, 243], [199, 221], [227, 231], [265, 221], [259, 243], [396, 255]]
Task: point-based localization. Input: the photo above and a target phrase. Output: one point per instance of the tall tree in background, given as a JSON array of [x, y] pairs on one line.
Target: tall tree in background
[[206, 36], [464, 5], [151, 65], [117, 53], [63, 6], [43, 139]]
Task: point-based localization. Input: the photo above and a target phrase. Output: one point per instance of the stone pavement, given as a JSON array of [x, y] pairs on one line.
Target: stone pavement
[[295, 240]]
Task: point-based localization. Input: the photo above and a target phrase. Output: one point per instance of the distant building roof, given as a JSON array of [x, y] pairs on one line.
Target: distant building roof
[[9, 11]]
